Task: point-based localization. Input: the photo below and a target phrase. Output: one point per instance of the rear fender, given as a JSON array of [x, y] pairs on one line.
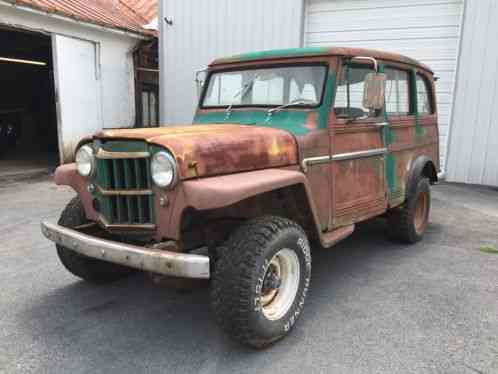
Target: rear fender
[[422, 165]]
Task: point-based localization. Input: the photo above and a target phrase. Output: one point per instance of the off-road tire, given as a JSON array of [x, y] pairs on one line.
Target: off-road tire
[[237, 280], [402, 220], [89, 269]]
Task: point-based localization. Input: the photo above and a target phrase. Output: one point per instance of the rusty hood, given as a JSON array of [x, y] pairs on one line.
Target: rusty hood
[[206, 150]]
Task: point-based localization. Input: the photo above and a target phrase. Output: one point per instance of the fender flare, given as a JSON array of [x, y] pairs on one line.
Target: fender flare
[[221, 191], [420, 165]]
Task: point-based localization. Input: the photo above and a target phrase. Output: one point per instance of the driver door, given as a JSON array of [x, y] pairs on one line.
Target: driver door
[[358, 150]]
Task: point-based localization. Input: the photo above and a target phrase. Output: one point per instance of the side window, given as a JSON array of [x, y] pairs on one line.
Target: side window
[[397, 92], [423, 99], [349, 93]]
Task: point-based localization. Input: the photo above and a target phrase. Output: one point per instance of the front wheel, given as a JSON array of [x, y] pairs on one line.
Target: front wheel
[[260, 281], [89, 269]]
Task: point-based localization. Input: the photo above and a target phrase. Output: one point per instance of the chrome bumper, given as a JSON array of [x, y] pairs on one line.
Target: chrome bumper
[[157, 261]]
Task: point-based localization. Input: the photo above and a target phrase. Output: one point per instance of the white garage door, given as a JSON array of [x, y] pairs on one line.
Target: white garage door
[[425, 30]]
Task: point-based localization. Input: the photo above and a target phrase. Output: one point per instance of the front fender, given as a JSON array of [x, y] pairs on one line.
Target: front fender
[[225, 190], [221, 191], [200, 194], [66, 175]]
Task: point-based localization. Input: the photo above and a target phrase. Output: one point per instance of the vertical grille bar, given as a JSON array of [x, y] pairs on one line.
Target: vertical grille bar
[[138, 178], [118, 184], [150, 199], [128, 184]]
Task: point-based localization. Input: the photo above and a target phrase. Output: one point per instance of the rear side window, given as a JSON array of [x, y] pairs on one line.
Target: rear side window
[[423, 98], [397, 92]]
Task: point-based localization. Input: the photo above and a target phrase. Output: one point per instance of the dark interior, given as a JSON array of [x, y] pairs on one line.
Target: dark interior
[[28, 121]]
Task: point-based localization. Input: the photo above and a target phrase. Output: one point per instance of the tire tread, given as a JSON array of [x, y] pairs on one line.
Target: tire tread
[[232, 278]]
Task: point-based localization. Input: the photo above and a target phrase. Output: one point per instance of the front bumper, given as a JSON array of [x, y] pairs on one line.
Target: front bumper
[[147, 259]]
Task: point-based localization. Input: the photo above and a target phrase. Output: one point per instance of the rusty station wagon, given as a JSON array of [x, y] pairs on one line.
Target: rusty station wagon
[[287, 148]]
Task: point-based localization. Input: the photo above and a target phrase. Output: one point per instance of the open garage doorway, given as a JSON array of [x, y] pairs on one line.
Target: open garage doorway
[[28, 119]]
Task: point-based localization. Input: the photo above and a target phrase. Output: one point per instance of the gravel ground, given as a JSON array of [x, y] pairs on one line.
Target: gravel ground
[[374, 306]]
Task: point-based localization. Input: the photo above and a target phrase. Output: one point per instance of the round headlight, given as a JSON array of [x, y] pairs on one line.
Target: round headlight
[[163, 169], [85, 161]]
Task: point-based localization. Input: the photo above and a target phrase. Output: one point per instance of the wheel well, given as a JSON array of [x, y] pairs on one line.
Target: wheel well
[[429, 171], [211, 227]]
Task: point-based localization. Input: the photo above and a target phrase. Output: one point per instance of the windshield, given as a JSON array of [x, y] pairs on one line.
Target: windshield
[[277, 86]]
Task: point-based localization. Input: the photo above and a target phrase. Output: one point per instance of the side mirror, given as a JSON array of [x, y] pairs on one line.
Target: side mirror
[[200, 77], [374, 91]]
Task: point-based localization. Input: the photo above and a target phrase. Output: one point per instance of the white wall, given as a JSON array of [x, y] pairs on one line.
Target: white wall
[[425, 30], [203, 30], [473, 148], [116, 63]]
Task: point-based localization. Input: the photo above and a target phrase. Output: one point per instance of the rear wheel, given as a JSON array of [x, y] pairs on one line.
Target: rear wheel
[[89, 269], [409, 222], [260, 280]]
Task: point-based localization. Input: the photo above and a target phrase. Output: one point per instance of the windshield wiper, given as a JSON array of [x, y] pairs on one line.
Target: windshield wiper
[[242, 92], [300, 101]]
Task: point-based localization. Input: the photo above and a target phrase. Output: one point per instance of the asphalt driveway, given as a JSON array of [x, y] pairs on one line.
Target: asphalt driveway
[[374, 306]]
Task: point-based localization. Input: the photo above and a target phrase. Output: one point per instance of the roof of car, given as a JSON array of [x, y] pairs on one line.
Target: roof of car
[[275, 54]]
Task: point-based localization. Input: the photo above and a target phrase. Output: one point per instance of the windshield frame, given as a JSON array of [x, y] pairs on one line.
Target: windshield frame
[[259, 67]]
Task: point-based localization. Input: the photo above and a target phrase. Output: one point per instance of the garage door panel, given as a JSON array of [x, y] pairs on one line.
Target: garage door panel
[[425, 30], [420, 49], [326, 5], [415, 35], [371, 10]]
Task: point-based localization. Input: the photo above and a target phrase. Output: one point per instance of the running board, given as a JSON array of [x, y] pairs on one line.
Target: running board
[[335, 236]]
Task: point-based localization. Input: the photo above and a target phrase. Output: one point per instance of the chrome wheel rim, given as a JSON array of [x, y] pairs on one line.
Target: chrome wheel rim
[[281, 284]]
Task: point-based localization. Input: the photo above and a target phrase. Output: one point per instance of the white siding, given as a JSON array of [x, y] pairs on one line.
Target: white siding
[[425, 30], [203, 30], [473, 149]]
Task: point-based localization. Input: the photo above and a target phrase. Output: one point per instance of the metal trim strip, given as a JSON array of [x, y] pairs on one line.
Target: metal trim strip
[[342, 157], [104, 192], [128, 226], [106, 155]]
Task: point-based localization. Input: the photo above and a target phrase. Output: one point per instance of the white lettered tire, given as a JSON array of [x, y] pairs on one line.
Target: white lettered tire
[[261, 279]]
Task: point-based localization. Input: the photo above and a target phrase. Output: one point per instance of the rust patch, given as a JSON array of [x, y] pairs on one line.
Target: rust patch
[[218, 149]]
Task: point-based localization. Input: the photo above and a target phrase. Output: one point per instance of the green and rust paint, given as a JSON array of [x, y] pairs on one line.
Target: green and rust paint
[[293, 121], [257, 141]]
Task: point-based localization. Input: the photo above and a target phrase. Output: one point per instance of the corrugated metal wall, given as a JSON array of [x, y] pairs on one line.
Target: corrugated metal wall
[[473, 148], [422, 29], [202, 30]]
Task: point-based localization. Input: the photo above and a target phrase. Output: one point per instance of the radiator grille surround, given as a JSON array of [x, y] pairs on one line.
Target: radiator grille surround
[[123, 184]]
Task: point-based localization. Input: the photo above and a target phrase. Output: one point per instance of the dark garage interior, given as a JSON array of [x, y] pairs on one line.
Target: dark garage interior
[[28, 120]]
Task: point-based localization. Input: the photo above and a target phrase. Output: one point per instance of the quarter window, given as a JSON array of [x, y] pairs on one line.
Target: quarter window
[[423, 100], [397, 92]]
